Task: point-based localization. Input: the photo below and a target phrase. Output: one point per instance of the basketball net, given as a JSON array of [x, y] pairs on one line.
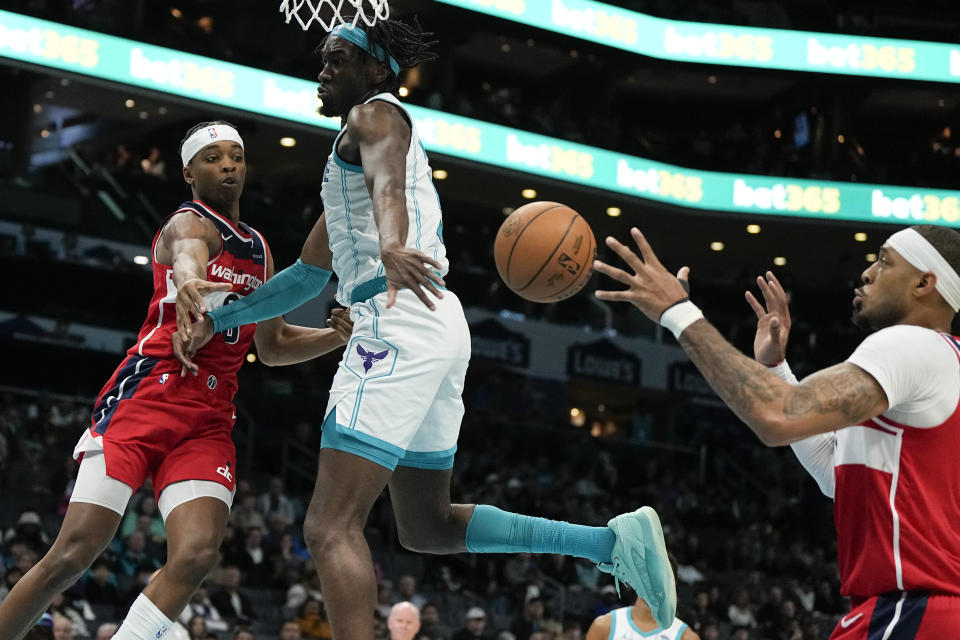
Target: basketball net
[[331, 13]]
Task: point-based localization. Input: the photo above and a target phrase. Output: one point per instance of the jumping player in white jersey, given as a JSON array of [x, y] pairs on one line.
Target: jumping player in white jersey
[[637, 623], [395, 409], [879, 432]]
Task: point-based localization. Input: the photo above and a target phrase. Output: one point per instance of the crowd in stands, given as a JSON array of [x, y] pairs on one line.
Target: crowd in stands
[[755, 551]]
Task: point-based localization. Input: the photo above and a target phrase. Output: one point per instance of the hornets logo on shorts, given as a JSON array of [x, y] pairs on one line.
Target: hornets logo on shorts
[[371, 357]]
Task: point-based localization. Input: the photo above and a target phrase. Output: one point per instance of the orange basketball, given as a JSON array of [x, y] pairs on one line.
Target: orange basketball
[[544, 251]]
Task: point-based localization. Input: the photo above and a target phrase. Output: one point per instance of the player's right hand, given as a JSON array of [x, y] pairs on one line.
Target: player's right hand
[[190, 303], [184, 350], [407, 268], [773, 321]]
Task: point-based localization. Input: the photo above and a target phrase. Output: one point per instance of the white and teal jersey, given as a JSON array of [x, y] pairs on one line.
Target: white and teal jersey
[[622, 627], [354, 239]]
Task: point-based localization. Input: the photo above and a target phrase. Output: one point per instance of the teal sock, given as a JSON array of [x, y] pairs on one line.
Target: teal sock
[[492, 530]]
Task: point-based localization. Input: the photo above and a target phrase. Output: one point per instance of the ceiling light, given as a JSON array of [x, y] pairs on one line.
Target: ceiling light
[[716, 246], [613, 212], [287, 141], [574, 412], [529, 194], [779, 261], [141, 260], [860, 236], [871, 257], [129, 103], [251, 357], [440, 174], [404, 92], [753, 228]]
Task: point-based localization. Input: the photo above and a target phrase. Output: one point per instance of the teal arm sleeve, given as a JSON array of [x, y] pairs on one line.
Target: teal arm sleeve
[[284, 292]]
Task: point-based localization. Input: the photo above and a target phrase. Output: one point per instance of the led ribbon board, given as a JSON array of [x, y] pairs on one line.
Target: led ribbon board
[[132, 63], [728, 44]]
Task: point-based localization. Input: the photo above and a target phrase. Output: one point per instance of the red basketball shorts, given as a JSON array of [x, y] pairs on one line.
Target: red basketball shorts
[[150, 421], [911, 615]]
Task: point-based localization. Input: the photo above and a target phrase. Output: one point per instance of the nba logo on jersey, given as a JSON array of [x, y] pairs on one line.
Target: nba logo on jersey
[[212, 131], [163, 378], [212, 382]]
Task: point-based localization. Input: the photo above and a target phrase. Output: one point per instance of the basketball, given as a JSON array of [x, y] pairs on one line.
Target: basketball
[[544, 251]]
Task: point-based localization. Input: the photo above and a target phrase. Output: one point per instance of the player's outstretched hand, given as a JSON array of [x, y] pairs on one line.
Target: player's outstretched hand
[[190, 303], [407, 268], [773, 321], [184, 350], [652, 288], [340, 322]]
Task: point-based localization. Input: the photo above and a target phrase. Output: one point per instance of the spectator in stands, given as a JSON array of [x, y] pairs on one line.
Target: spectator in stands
[[740, 612], [252, 559], [430, 625], [43, 629], [242, 632], [276, 501], [62, 628], [313, 622], [146, 518], [384, 598], [769, 612], [28, 531], [403, 621], [154, 165], [76, 611], [609, 600], [231, 603], [308, 587], [196, 626], [407, 590], [290, 630], [474, 626], [135, 555], [100, 587], [245, 515], [201, 607], [106, 630]]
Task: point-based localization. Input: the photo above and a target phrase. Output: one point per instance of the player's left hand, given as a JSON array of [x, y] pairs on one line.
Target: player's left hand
[[652, 288], [184, 350], [340, 322], [407, 268]]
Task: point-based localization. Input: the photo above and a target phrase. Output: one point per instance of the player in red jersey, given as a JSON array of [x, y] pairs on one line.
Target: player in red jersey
[[879, 432], [151, 420]]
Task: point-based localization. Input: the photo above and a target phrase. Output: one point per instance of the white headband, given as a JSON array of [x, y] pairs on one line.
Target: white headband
[[918, 251], [207, 136]]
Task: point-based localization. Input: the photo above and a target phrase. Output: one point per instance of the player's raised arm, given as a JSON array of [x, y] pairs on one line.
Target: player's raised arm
[[383, 137], [187, 242], [779, 413], [279, 343]]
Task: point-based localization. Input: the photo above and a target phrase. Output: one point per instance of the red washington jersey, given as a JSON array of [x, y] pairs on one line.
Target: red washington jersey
[[897, 496], [242, 261]]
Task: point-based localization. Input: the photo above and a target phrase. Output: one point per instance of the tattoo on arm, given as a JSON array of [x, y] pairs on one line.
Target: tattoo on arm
[[845, 389], [740, 381]]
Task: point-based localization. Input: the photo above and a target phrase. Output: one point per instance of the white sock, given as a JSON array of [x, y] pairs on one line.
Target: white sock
[[144, 622]]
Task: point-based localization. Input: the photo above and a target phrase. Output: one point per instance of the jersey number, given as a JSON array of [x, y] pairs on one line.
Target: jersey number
[[230, 336]]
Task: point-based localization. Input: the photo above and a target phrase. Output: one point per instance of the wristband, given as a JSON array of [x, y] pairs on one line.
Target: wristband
[[782, 370], [679, 316]]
